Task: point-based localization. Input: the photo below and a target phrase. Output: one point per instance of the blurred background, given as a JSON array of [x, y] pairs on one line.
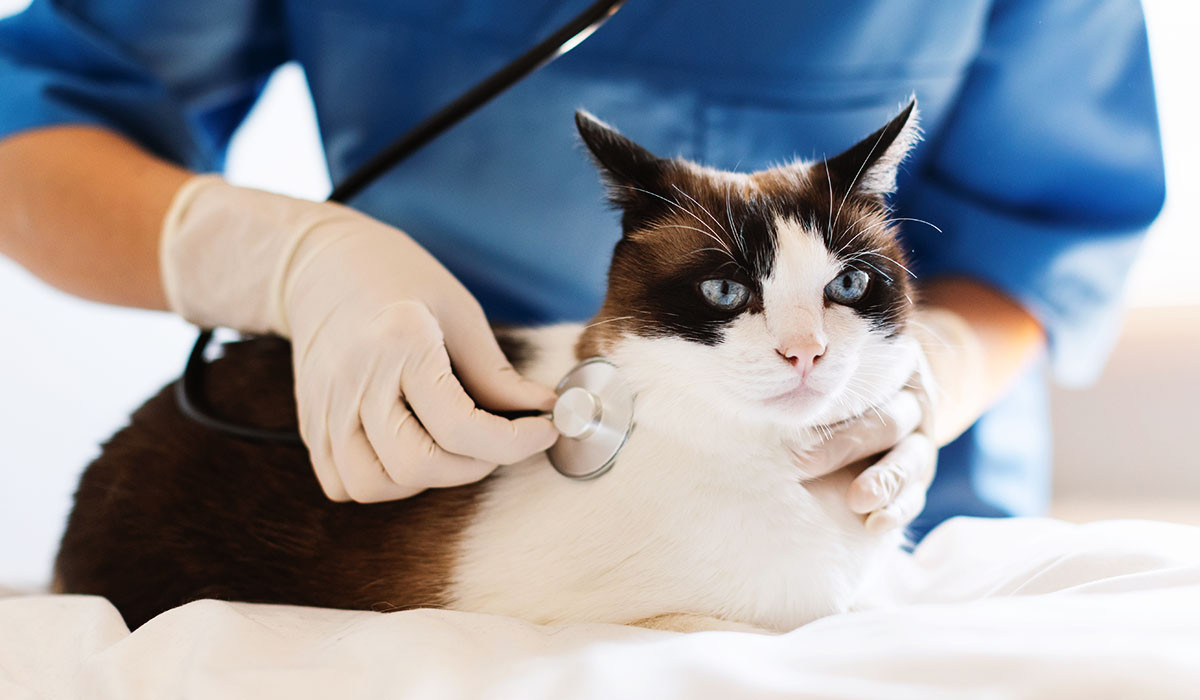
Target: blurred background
[[71, 371]]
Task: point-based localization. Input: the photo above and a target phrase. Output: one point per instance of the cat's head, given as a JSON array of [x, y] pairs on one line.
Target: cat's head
[[779, 295]]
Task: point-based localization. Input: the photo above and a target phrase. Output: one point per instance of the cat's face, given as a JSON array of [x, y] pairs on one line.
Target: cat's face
[[778, 296]]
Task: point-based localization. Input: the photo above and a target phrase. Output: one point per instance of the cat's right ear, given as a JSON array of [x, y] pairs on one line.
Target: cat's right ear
[[633, 174], [870, 165]]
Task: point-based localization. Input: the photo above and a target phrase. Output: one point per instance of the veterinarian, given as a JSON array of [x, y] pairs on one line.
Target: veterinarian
[[1041, 166]]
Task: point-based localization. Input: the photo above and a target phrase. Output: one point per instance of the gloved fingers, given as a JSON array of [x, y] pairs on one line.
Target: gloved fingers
[[871, 433], [902, 511], [484, 370], [909, 465], [315, 434], [362, 472], [408, 453], [453, 420]]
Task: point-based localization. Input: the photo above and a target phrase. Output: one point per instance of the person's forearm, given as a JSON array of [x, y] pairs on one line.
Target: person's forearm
[[1008, 338], [82, 208]]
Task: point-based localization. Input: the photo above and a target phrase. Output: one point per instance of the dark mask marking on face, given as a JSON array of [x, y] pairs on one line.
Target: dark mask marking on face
[[684, 224]]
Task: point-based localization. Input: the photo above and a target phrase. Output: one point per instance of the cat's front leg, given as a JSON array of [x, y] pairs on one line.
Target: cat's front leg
[[692, 622]]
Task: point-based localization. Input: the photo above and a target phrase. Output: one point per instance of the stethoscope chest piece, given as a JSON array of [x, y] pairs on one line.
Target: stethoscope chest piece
[[594, 416]]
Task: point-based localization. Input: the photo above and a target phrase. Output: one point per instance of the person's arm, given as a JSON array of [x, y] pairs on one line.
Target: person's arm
[[1003, 338], [83, 209], [1041, 183], [106, 104], [375, 322], [1046, 171]]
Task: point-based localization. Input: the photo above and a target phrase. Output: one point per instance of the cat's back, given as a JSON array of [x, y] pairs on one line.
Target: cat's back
[[172, 512]]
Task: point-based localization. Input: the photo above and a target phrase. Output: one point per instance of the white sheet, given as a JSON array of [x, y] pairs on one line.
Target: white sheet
[[993, 609]]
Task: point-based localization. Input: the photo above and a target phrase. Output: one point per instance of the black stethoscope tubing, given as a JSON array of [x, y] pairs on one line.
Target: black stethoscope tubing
[[189, 390]]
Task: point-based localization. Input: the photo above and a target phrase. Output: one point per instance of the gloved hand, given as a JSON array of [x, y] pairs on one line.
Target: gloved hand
[[382, 334], [939, 402]]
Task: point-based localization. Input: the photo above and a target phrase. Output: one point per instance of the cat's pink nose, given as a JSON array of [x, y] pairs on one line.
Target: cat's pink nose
[[802, 355]]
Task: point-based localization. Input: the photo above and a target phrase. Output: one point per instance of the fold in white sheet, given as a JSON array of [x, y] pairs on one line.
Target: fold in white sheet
[[1016, 608]]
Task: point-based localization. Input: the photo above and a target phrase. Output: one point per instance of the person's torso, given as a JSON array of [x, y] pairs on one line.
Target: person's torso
[[507, 199]]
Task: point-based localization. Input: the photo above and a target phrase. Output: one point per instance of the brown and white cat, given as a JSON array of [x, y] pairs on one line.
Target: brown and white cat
[[744, 310]]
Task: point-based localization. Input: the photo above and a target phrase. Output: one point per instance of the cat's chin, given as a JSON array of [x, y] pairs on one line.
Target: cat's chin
[[796, 409], [800, 406], [809, 407], [803, 394], [818, 400]]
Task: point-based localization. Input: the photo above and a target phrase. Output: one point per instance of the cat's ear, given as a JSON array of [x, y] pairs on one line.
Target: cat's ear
[[869, 166], [633, 174]]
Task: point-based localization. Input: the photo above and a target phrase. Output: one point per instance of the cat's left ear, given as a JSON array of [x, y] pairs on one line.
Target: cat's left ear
[[633, 174], [869, 166]]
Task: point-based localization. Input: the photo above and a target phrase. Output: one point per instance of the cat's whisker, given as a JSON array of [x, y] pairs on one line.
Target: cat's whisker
[[689, 228], [884, 223], [608, 320], [675, 204], [890, 259], [724, 248], [868, 215], [919, 221], [870, 407], [862, 232], [741, 233], [858, 234], [894, 261], [867, 398], [702, 208], [713, 250], [738, 240], [873, 267], [895, 219], [829, 181], [727, 263]]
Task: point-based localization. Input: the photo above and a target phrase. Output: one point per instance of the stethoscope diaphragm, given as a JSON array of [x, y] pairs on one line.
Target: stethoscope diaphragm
[[594, 416]]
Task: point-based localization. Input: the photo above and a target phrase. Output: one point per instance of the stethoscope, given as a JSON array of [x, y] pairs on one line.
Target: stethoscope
[[594, 410]]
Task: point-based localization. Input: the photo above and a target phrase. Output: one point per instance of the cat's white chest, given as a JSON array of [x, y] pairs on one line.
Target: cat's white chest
[[693, 518], [649, 539]]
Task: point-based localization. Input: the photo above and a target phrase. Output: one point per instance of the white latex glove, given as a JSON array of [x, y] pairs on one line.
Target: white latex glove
[[382, 334], [939, 402]]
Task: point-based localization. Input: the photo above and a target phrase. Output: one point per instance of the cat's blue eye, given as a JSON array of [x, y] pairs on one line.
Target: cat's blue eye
[[725, 295], [848, 287]]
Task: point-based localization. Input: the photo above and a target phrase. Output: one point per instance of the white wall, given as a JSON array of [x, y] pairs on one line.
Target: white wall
[[1125, 447], [71, 371], [1164, 274]]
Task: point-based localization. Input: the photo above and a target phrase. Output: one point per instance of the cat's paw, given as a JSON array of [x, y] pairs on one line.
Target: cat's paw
[[691, 622]]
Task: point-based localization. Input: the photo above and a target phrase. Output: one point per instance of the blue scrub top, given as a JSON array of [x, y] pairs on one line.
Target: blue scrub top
[[1041, 163]]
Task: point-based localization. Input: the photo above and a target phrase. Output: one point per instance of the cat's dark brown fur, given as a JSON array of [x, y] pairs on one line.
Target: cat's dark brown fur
[[253, 525]]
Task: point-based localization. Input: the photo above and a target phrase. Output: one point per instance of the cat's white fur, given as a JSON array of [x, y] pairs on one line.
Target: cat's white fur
[[706, 520]]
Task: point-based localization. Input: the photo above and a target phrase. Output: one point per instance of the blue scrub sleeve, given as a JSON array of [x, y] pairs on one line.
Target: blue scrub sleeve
[[175, 77], [1048, 170]]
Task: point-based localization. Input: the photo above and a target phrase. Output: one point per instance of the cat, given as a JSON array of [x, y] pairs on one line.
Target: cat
[[748, 312]]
